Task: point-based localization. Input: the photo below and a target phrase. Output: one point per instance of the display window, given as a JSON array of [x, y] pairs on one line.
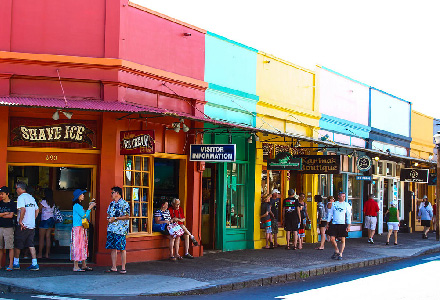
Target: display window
[[235, 195], [354, 197]]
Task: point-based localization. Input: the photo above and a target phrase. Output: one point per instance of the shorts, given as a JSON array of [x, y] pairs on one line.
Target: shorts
[[274, 226], [426, 223], [24, 238], [323, 224], [291, 223], [393, 226], [268, 229], [115, 241], [370, 222], [301, 233], [49, 223], [338, 230], [6, 238]]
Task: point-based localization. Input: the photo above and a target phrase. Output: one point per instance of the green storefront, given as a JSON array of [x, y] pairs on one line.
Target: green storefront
[[228, 191]]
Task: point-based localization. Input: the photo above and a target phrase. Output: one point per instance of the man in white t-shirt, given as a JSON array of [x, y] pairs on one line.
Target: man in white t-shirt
[[27, 211], [340, 216]]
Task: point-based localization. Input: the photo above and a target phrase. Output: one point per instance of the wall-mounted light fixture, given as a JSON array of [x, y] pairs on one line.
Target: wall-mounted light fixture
[[67, 114], [388, 151], [325, 137], [187, 34], [176, 126], [376, 158], [266, 61], [416, 164]]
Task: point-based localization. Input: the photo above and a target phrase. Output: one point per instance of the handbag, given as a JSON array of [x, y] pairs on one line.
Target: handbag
[[58, 216], [175, 230], [308, 225], [85, 222]]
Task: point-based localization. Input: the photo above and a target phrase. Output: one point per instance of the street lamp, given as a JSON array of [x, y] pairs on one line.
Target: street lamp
[[437, 192]]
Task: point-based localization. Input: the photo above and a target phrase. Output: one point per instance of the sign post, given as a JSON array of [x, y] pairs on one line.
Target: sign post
[[212, 152]]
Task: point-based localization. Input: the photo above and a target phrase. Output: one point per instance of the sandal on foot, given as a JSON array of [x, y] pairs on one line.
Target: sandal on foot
[[8, 269], [179, 257], [288, 248], [123, 272], [87, 269], [172, 258], [110, 271], [78, 270]]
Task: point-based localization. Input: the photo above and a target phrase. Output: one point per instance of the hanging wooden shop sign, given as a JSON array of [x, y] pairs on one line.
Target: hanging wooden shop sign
[[320, 164], [414, 175], [284, 161], [137, 142]]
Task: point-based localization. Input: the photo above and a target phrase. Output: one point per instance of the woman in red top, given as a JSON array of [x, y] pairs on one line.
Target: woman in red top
[[177, 215]]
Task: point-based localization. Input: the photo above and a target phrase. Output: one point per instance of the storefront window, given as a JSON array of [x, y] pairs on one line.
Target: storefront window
[[270, 180], [323, 185], [354, 197], [337, 185], [136, 190], [375, 188], [235, 195]]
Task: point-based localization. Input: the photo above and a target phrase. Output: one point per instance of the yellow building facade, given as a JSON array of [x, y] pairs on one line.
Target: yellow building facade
[[422, 146], [287, 105]]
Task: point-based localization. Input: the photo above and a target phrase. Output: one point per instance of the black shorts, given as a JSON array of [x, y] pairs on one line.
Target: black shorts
[[291, 221], [426, 223], [323, 224], [338, 230], [24, 238]]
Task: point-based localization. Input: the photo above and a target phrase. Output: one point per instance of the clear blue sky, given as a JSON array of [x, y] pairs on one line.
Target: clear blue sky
[[391, 45]]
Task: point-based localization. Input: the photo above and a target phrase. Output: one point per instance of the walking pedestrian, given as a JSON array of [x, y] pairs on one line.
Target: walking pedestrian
[[292, 218], [275, 207], [425, 214], [266, 220], [118, 214], [370, 210], [393, 222], [27, 211], [330, 200], [7, 211], [322, 220], [79, 241], [340, 216]]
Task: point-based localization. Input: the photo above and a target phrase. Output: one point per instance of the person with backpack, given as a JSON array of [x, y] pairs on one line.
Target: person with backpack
[[47, 223]]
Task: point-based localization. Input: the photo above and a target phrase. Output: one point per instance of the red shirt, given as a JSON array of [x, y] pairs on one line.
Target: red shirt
[[177, 213], [371, 208]]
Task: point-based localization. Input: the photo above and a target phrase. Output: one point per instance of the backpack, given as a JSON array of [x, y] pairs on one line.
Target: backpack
[[57, 215]]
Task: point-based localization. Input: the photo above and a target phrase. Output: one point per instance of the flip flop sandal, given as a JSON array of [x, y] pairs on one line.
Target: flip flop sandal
[[87, 269], [123, 272], [8, 269], [110, 271], [179, 257], [172, 258], [78, 270]]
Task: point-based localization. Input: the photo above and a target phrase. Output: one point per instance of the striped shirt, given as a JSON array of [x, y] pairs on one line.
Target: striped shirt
[[163, 215]]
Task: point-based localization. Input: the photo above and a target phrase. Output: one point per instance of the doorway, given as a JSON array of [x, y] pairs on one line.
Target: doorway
[[62, 181], [208, 206]]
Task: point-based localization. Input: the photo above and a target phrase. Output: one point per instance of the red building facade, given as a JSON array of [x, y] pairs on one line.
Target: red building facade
[[117, 67]]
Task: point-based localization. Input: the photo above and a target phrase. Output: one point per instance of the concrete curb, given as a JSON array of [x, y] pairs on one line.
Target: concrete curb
[[290, 277]]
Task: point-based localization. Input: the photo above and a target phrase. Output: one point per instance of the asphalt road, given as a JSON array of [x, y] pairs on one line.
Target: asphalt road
[[412, 278]]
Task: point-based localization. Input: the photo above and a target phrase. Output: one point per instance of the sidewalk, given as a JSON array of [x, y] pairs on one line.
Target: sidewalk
[[216, 271]]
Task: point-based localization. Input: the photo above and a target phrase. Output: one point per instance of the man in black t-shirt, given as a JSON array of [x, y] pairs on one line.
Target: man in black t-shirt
[[292, 217], [7, 210], [275, 207], [265, 217]]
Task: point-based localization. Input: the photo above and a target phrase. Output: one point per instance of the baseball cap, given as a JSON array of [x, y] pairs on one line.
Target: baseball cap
[[425, 197], [4, 189], [77, 193], [275, 191]]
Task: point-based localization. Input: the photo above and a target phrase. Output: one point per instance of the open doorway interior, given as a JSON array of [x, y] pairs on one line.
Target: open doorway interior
[[62, 181], [208, 206]]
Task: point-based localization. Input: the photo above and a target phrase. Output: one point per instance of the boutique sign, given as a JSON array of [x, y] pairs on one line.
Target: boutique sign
[[73, 133], [414, 175], [137, 142], [212, 152], [320, 164]]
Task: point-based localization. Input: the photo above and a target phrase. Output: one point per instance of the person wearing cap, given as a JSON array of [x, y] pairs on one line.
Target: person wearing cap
[[393, 222], [7, 211], [425, 215], [340, 216], [79, 238], [118, 214], [371, 208], [27, 211], [292, 218], [275, 208]]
